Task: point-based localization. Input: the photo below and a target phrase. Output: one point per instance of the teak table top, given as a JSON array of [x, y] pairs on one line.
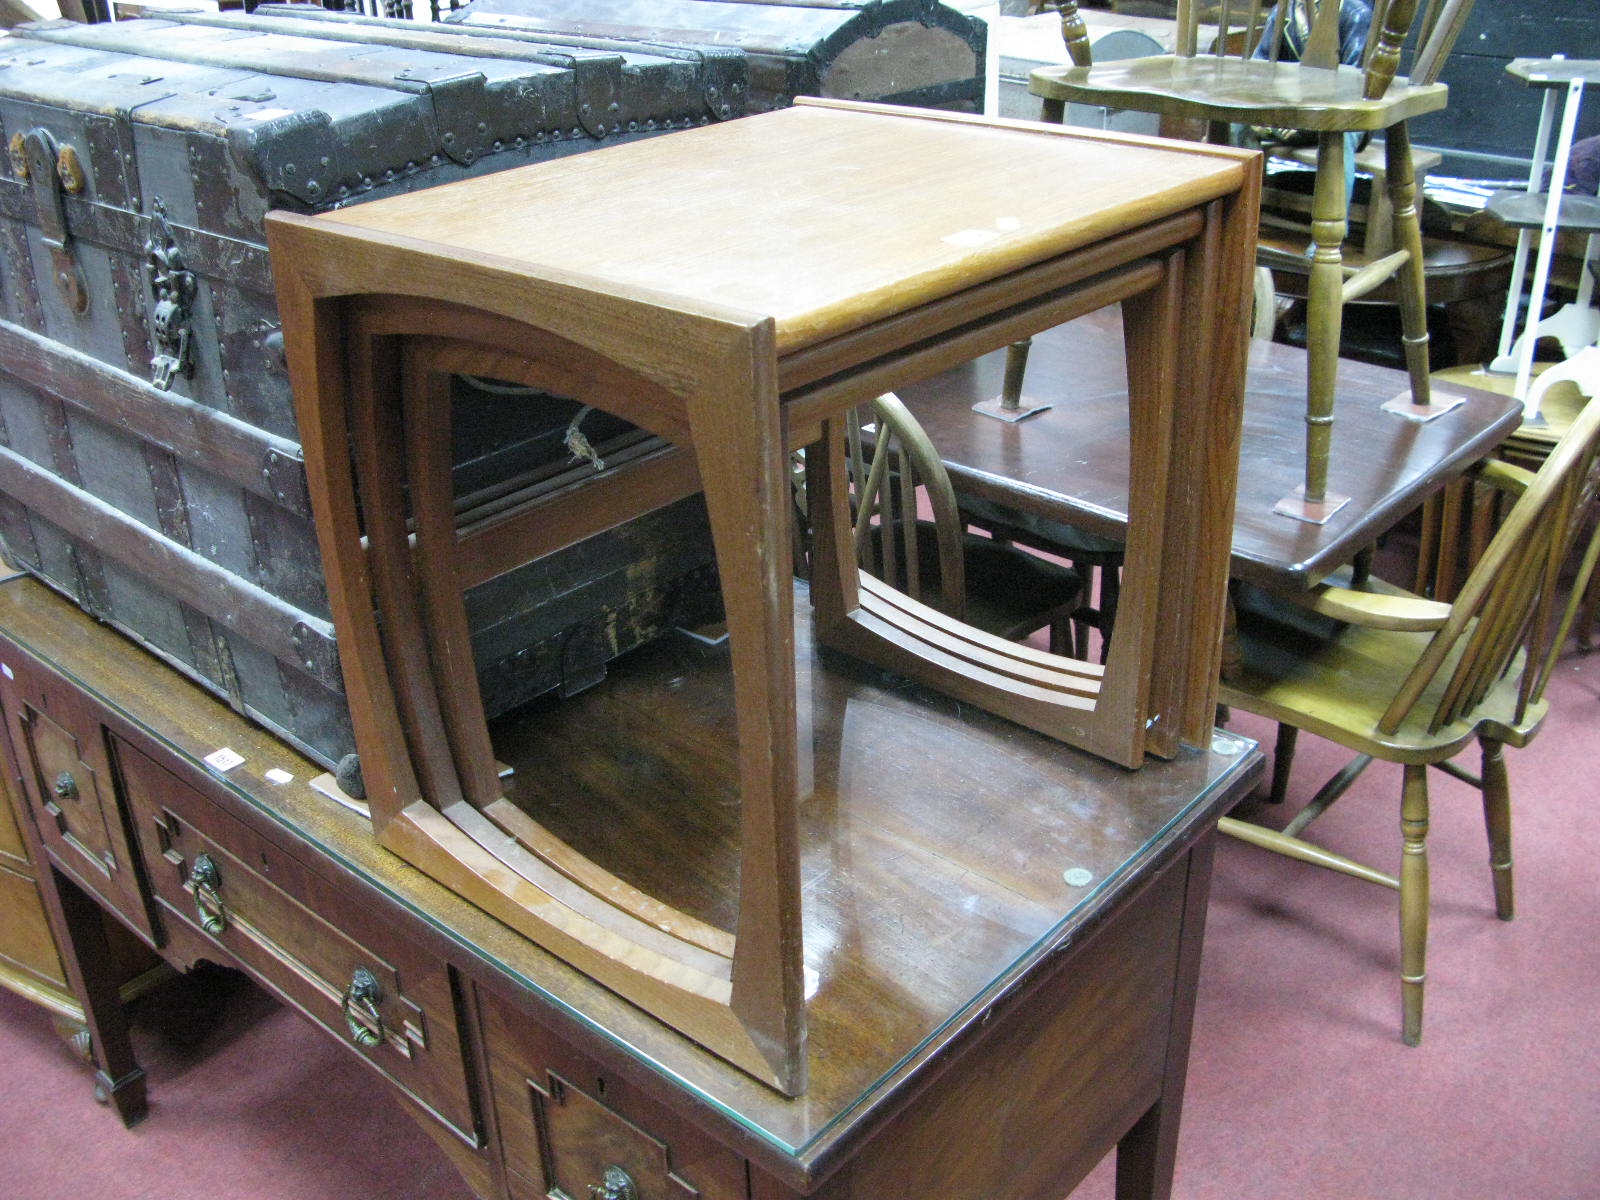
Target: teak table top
[[809, 215]]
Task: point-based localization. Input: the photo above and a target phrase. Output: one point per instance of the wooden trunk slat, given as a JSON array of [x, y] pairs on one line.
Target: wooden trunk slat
[[284, 631], [244, 455]]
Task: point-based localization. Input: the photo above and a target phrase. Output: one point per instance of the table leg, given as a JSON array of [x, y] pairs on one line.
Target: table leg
[[80, 924], [1148, 1152]]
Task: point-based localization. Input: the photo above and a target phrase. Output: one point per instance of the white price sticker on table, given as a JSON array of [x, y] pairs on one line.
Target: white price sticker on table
[[224, 759]]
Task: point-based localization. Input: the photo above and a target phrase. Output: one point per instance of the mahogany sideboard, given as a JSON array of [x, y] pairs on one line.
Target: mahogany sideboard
[[1012, 938]]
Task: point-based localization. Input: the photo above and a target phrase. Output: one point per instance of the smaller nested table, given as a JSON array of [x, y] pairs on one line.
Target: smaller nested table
[[735, 290]]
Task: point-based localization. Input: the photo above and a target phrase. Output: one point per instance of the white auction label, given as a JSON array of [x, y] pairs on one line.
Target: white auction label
[[224, 759]]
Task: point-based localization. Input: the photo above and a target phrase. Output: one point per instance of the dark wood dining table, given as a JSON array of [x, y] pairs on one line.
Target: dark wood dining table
[[1069, 463]]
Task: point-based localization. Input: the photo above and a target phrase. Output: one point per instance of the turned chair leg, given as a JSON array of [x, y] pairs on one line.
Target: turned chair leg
[[1413, 900], [1081, 622], [1497, 820], [1410, 284], [1016, 370], [1282, 762], [1361, 567], [1586, 618], [1110, 596], [1330, 206], [1061, 639], [1264, 311]]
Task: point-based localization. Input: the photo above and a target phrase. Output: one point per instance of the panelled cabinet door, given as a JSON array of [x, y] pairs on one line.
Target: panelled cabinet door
[[70, 791], [29, 961], [573, 1131]]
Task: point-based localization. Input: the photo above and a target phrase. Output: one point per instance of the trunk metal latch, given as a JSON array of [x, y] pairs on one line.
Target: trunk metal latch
[[40, 157], [173, 285]]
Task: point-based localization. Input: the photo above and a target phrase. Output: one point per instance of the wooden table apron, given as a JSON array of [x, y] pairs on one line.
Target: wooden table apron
[[735, 365]]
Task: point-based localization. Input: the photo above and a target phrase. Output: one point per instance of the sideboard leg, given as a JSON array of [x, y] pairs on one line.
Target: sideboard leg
[[118, 1079], [1148, 1152]]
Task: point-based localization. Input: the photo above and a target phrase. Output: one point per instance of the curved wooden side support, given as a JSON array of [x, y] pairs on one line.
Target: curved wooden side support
[[1104, 710], [586, 873], [1044, 692], [683, 985], [1021, 662], [381, 453]]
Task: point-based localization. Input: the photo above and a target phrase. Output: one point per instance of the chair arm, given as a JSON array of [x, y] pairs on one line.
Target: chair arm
[[1499, 474], [1374, 610]]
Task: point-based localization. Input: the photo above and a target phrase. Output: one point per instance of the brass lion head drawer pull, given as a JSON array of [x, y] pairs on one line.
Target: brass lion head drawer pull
[[207, 881], [360, 1006], [616, 1184], [65, 786]]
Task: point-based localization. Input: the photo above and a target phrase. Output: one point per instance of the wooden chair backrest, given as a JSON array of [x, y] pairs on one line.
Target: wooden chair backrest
[[1508, 603], [1265, 23], [885, 502]]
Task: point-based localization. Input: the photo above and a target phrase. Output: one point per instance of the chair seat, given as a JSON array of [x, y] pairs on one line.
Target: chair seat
[[1336, 680], [1245, 91], [1009, 593]]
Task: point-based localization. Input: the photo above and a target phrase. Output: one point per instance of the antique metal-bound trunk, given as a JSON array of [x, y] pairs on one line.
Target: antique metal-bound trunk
[[149, 460], [916, 52]]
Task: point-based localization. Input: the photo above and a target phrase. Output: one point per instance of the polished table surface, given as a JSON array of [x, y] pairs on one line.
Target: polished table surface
[[999, 932], [1070, 462]]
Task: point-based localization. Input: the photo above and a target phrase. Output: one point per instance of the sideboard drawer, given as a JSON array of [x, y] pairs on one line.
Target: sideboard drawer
[[565, 1123], [69, 788], [329, 957]]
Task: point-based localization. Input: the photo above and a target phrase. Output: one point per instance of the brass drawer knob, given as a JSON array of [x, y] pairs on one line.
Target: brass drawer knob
[[207, 881], [360, 1007], [616, 1184], [65, 786]]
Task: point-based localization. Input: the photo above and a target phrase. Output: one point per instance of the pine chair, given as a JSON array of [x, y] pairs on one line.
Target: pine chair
[[1096, 559], [992, 586], [1318, 95], [1411, 681]]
